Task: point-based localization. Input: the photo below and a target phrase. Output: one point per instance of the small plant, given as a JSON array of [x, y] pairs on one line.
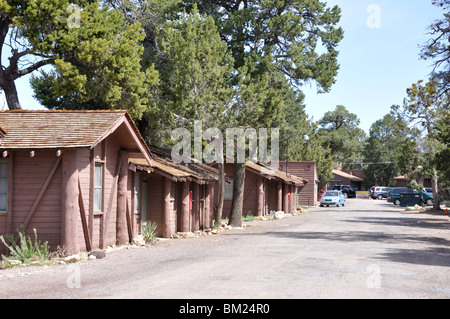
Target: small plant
[[149, 232], [26, 250], [248, 218]]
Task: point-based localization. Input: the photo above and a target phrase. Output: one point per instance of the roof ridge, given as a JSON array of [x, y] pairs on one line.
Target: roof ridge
[[63, 111]]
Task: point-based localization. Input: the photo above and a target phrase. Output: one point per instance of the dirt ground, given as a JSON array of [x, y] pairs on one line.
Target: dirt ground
[[367, 249]]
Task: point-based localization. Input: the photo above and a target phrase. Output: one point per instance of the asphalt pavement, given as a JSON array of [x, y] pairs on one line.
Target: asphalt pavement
[[367, 249]]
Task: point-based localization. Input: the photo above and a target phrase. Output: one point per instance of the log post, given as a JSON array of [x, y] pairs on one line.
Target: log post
[[69, 202], [286, 199], [166, 209], [196, 207], [279, 197], [207, 211], [184, 215], [260, 187], [122, 190]]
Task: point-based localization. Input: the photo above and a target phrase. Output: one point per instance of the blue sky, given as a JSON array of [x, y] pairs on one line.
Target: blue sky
[[377, 64]]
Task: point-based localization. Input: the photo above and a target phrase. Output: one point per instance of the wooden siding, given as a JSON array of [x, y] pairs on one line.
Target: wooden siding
[[307, 170], [28, 178], [155, 200]]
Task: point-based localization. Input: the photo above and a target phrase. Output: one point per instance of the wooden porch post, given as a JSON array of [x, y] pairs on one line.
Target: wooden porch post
[[279, 197], [166, 209], [69, 202], [207, 211], [286, 199], [196, 207], [184, 214], [260, 188], [122, 190]]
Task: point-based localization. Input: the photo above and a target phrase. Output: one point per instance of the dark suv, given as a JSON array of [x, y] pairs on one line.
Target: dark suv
[[347, 190]]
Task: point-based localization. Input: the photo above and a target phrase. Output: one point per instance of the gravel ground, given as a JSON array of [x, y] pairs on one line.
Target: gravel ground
[[367, 249]]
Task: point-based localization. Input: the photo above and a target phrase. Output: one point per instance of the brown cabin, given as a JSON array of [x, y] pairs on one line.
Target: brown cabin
[[265, 190], [306, 170], [66, 174], [177, 197]]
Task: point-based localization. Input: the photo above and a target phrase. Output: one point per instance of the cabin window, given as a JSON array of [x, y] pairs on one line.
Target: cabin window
[[137, 192], [4, 167], [228, 191], [98, 187]]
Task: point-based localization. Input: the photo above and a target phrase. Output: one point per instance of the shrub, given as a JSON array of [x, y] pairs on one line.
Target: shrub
[[26, 250], [149, 232]]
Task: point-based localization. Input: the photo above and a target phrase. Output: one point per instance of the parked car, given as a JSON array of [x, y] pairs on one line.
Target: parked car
[[394, 195], [333, 197], [380, 192], [371, 191], [347, 190], [321, 194]]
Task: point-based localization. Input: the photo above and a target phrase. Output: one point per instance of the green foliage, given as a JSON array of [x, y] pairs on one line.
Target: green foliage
[[194, 69], [289, 34], [341, 133], [389, 139], [149, 232], [27, 249], [95, 56]]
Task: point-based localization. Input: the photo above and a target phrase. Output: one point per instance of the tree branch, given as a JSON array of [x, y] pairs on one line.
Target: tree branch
[[32, 68]]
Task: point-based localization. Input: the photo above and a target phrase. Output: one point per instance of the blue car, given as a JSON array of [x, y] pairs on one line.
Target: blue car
[[333, 197]]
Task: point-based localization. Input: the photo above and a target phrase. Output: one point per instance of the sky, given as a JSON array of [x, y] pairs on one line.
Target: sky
[[378, 58]]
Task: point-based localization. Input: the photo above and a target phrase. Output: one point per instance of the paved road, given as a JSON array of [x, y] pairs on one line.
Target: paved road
[[367, 249]]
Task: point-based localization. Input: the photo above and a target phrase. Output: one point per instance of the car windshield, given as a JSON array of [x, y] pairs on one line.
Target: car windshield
[[331, 194]]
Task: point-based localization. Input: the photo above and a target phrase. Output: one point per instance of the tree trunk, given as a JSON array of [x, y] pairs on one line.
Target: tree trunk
[[220, 194], [238, 195], [434, 184], [11, 95]]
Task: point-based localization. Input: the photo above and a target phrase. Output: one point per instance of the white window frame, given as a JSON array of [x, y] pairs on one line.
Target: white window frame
[[98, 206]]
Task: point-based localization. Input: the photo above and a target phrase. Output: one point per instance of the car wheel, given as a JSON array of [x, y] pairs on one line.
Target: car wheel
[[397, 201], [380, 197], [429, 202], [321, 205]]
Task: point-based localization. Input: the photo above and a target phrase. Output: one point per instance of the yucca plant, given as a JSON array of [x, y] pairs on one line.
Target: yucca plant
[[27, 249], [149, 232]]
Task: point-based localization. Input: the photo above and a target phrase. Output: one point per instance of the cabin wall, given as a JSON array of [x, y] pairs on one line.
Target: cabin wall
[[42, 201], [27, 176], [307, 196]]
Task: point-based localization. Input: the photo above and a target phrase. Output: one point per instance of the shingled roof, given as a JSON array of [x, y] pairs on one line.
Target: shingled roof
[[271, 173], [163, 164], [50, 129]]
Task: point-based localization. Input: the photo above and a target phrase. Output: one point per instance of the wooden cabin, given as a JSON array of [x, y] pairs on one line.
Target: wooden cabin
[[66, 174], [308, 196], [177, 197], [265, 190]]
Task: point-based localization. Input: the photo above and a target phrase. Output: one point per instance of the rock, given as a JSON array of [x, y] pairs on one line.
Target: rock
[[139, 240], [279, 215], [72, 258], [13, 262], [98, 254]]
